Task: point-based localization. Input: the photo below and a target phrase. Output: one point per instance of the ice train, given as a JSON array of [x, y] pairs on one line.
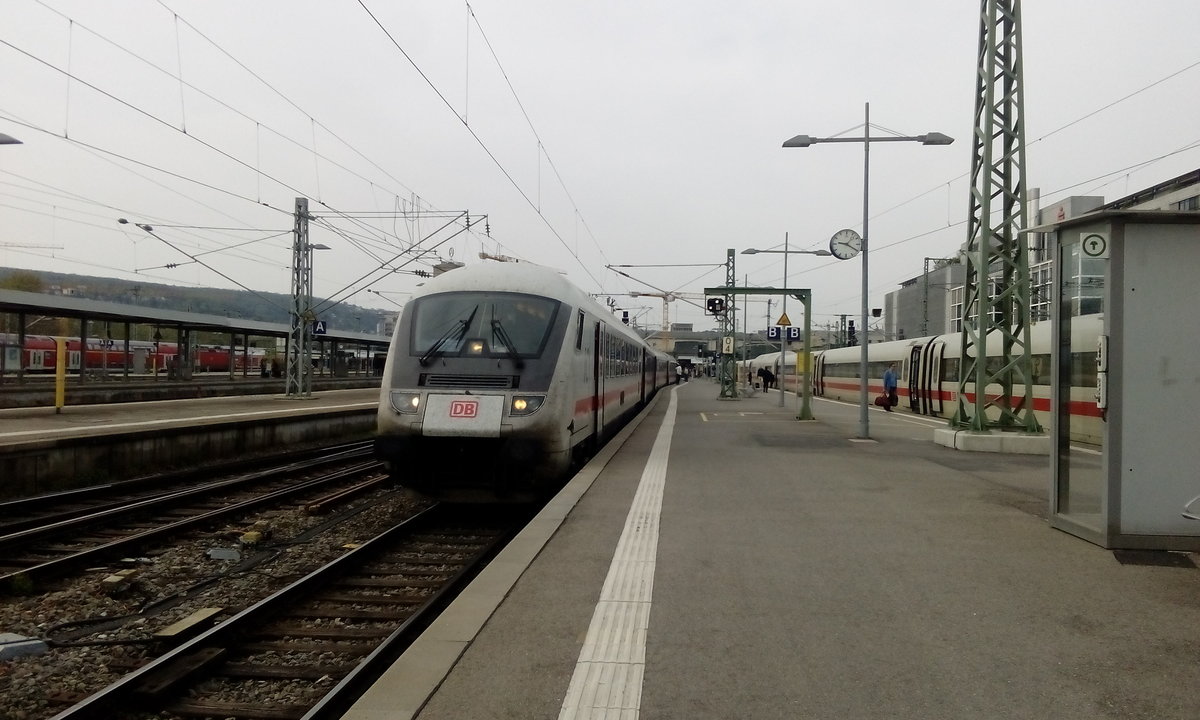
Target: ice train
[[929, 371]]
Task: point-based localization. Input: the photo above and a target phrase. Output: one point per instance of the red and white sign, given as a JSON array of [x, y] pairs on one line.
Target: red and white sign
[[464, 409], [455, 415]]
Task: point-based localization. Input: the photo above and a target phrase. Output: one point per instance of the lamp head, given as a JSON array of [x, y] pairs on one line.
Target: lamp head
[[935, 138], [800, 141], [750, 251]]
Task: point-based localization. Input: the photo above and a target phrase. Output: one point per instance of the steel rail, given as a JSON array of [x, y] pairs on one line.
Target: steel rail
[[26, 577], [151, 686], [22, 513]]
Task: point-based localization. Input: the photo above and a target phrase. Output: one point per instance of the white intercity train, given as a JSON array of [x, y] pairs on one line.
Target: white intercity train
[[502, 377]]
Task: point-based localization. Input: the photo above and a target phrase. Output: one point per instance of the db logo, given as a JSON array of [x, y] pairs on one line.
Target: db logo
[[464, 408]]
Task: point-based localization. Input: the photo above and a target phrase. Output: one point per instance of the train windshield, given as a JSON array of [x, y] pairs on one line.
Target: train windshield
[[476, 324]]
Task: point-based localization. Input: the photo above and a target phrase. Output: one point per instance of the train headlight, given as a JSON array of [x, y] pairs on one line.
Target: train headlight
[[405, 402], [475, 347], [525, 404]]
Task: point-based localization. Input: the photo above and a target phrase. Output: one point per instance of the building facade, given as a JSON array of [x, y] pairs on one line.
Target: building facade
[[932, 303]]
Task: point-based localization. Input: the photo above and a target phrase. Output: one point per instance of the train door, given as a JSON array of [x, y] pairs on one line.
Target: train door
[[600, 367], [931, 378], [644, 365], [914, 378], [818, 378]]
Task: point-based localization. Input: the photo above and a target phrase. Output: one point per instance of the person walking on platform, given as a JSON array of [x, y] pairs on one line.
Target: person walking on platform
[[889, 387]]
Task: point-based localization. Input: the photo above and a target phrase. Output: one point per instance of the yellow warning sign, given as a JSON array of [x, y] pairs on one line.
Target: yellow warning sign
[[783, 320]]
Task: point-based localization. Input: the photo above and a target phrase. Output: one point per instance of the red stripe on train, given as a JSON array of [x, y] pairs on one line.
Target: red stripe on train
[[585, 405], [1041, 404]]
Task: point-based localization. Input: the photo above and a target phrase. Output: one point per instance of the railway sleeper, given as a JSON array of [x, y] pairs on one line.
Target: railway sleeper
[[400, 581], [256, 671], [353, 599], [199, 709], [351, 614], [443, 561], [395, 569], [456, 541], [163, 679], [295, 630], [290, 646]]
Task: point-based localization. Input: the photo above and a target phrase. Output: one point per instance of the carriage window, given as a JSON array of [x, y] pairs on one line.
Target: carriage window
[[579, 333]]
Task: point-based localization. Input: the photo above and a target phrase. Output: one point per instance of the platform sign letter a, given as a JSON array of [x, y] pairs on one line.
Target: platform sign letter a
[[318, 327]]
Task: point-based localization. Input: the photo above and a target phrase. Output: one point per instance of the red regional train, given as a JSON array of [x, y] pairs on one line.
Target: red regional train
[[39, 354]]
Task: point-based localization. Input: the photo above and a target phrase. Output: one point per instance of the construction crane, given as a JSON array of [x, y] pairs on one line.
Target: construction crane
[[666, 298]]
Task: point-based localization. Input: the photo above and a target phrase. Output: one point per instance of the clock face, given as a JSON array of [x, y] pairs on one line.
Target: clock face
[[845, 244]]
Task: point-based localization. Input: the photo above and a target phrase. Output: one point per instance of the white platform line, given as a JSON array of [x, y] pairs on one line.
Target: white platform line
[[608, 677]]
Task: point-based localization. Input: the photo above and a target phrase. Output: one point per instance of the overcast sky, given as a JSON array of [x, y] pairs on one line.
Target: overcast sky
[[588, 134]]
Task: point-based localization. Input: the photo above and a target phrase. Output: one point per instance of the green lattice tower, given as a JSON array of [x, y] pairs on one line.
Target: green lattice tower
[[729, 359], [298, 379], [996, 293]]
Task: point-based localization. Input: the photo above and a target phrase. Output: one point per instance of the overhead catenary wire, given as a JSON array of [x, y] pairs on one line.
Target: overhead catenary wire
[[149, 230], [177, 76], [256, 170], [79, 63], [334, 298], [496, 161], [291, 102]]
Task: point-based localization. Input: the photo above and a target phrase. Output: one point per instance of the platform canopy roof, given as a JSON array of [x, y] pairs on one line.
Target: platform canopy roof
[[16, 301]]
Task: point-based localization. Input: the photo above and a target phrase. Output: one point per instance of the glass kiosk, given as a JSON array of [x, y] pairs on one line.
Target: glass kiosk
[[1126, 358]]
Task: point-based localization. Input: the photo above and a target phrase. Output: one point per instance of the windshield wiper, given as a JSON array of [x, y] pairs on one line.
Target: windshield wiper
[[509, 349], [457, 332]]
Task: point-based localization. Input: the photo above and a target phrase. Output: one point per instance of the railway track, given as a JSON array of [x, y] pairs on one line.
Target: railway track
[[44, 510], [310, 649], [32, 555]]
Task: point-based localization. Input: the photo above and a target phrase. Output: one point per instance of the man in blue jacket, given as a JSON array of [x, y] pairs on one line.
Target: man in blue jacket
[[889, 387]]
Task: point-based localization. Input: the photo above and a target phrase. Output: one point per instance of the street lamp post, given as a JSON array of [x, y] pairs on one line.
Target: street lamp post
[[933, 138], [783, 311]]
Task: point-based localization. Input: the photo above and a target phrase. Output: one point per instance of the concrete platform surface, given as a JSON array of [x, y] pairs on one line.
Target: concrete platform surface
[[729, 561], [21, 425]]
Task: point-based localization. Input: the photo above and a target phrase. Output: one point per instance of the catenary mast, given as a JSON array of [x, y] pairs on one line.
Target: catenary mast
[[997, 290]]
